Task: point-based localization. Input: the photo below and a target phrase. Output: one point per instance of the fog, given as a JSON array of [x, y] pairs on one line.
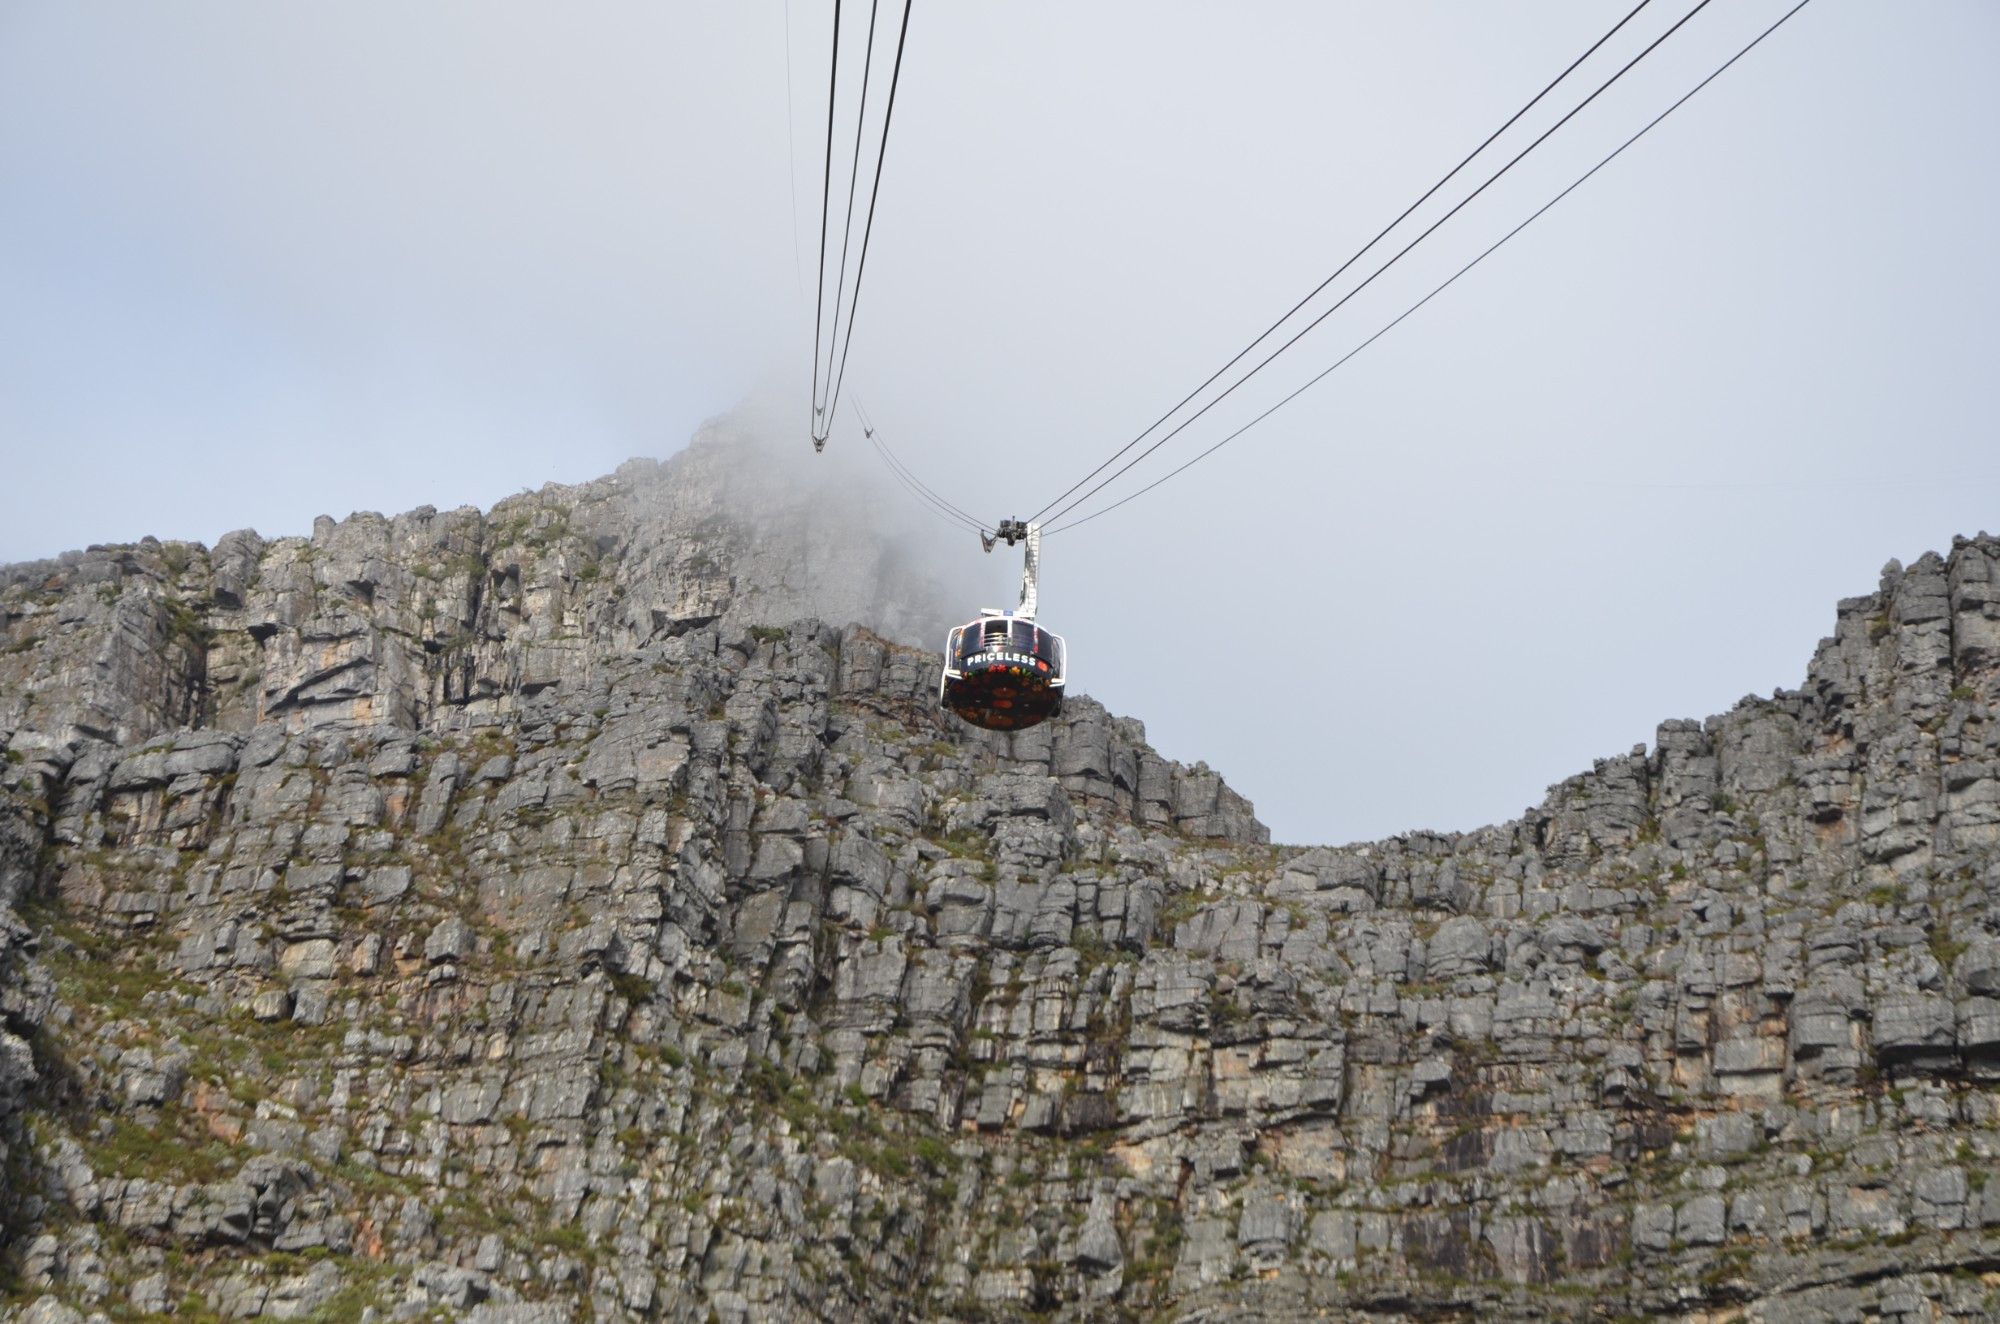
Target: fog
[[259, 263], [836, 540]]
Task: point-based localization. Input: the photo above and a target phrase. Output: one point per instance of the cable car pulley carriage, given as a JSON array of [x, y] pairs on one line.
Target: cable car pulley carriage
[[1004, 672]]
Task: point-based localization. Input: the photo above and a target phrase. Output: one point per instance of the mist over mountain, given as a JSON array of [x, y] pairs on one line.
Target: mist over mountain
[[580, 909]]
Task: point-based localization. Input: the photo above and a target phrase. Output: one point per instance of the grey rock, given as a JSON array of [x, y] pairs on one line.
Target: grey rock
[[1461, 946], [48, 1310], [527, 915], [1702, 1221], [1914, 1029], [451, 940]]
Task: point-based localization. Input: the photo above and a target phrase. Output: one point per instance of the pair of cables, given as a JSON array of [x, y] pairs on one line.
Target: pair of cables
[[830, 341], [916, 487], [822, 415], [1437, 290], [1067, 502]]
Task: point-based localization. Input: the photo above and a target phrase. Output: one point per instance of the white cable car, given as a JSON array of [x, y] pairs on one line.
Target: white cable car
[[1003, 671]]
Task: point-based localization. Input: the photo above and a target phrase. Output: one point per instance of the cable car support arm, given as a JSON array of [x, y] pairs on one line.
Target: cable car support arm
[[1010, 532]]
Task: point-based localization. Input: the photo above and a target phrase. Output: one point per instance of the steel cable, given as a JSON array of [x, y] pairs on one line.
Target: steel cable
[[1358, 253], [917, 490], [874, 194], [847, 224], [933, 503], [1782, 19], [870, 431], [825, 196], [1400, 253]]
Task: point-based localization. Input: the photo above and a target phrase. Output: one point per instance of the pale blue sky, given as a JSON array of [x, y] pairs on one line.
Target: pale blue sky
[[259, 263]]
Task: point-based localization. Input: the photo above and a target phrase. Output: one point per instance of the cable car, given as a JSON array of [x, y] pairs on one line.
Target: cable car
[[1004, 672]]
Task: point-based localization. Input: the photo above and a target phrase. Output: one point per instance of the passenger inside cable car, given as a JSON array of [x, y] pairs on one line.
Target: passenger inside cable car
[[1003, 672]]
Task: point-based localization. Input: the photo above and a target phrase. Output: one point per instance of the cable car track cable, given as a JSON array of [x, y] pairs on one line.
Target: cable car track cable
[[1358, 253], [847, 224], [1400, 253], [917, 490], [1782, 19], [825, 197], [906, 476], [918, 487], [870, 431], [874, 194]]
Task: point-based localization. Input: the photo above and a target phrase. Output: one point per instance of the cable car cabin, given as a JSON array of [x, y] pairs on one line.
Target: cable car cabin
[[1003, 672]]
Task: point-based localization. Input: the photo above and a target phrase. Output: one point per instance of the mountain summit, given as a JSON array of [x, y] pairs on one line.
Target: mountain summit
[[581, 910]]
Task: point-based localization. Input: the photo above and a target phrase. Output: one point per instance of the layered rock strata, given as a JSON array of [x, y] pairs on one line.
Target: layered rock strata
[[566, 913]]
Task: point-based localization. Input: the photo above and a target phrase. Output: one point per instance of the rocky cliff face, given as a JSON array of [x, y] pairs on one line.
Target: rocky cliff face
[[572, 912]]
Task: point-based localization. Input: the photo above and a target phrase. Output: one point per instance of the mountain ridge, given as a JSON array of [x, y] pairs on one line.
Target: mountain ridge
[[552, 914]]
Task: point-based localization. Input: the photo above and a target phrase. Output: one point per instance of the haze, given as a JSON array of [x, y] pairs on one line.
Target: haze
[[263, 262]]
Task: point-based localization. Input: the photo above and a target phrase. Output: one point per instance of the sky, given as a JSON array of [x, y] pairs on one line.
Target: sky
[[259, 263]]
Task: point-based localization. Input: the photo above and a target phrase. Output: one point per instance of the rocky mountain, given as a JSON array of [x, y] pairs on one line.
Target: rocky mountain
[[580, 910]]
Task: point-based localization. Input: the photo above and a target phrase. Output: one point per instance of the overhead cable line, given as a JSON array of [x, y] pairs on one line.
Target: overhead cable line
[[1782, 19], [825, 197], [1400, 253], [897, 465], [917, 490], [847, 224], [874, 194], [932, 503], [922, 493], [907, 477], [1446, 178]]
